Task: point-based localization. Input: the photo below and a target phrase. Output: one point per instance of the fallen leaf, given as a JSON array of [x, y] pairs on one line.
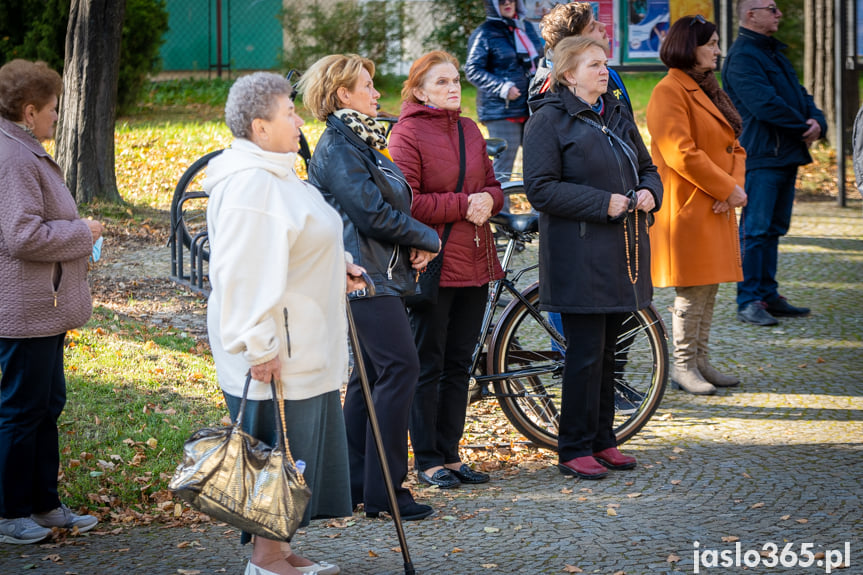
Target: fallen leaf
[[633, 495], [730, 539], [189, 571], [372, 553], [802, 520], [746, 475], [152, 443], [621, 572], [785, 517], [675, 482], [566, 491], [611, 512], [491, 529], [571, 569], [488, 565], [820, 360], [672, 558], [454, 550], [758, 505]]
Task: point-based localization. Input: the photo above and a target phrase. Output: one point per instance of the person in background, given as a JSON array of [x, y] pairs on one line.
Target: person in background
[[425, 145], [572, 19], [277, 306], [502, 56], [353, 169], [780, 122], [694, 245], [590, 177], [44, 247]]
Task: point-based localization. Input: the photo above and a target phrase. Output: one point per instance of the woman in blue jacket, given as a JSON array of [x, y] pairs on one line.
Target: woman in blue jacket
[[502, 57]]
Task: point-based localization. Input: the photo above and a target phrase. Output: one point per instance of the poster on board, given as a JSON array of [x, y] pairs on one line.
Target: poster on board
[[647, 22], [604, 11]]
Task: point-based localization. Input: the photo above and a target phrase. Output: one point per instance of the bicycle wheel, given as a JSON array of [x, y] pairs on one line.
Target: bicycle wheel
[[189, 204], [529, 359]]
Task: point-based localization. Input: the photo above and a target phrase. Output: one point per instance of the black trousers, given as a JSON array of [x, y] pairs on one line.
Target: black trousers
[[393, 367], [445, 336], [32, 397], [587, 400]]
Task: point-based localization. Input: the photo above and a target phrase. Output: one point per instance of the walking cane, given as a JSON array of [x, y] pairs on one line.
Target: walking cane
[[376, 432]]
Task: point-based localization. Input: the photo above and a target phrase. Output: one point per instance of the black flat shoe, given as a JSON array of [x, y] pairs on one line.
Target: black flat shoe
[[411, 512], [443, 478], [467, 475], [781, 307]]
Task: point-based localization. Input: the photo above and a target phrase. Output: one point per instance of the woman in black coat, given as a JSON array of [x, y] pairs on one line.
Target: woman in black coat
[[353, 170], [590, 176]]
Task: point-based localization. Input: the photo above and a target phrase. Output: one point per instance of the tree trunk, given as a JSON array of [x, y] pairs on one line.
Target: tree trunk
[[85, 132]]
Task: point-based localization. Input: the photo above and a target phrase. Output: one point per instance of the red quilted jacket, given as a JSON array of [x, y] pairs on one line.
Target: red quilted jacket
[[424, 144]]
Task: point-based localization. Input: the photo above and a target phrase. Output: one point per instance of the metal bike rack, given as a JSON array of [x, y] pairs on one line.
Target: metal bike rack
[[193, 257]]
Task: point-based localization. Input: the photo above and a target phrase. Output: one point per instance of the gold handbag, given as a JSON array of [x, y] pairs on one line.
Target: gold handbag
[[233, 477]]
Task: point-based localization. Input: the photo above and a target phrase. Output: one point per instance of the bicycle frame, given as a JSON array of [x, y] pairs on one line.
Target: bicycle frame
[[485, 375]]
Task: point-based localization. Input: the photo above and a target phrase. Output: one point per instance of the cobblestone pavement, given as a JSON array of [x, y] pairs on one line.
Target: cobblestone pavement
[[777, 461]]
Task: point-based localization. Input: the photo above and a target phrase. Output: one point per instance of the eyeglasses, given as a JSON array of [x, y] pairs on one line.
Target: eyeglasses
[[506, 1], [697, 18], [773, 9]]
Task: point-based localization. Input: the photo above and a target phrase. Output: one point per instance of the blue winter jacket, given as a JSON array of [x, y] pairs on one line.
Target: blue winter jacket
[[774, 106], [492, 62]]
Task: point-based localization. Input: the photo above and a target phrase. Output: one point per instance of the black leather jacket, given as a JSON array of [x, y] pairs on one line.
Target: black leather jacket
[[374, 200]]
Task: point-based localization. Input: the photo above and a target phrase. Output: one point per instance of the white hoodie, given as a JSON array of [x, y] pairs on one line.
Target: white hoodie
[[277, 271]]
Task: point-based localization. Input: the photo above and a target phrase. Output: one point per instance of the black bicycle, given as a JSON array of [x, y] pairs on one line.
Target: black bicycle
[[519, 355]]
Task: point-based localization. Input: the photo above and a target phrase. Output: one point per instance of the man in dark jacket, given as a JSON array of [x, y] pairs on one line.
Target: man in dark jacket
[[572, 19], [502, 57], [780, 122]]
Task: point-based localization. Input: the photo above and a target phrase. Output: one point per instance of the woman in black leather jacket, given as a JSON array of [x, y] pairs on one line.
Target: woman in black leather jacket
[[353, 170]]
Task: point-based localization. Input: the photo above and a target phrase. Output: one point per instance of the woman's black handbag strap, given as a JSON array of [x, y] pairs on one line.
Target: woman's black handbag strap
[[461, 171]]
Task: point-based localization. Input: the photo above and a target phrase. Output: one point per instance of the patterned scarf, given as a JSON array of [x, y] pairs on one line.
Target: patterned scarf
[[707, 82], [366, 127]]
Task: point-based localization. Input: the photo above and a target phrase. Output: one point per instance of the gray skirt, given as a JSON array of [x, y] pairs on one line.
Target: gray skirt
[[316, 434]]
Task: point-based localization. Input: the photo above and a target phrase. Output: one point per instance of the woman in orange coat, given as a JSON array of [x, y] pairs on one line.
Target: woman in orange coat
[[694, 244]]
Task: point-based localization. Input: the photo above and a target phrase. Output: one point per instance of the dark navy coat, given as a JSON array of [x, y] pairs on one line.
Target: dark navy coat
[[774, 106]]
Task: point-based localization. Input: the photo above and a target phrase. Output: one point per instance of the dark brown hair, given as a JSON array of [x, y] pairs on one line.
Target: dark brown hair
[[22, 83], [420, 68], [564, 20], [684, 36]]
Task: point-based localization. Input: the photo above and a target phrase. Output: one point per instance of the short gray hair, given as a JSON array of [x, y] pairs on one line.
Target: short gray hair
[[253, 96]]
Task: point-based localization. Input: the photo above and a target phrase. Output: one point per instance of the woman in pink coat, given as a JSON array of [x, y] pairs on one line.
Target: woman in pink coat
[[425, 145]]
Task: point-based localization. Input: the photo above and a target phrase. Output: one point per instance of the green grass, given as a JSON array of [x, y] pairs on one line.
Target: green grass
[[135, 394]]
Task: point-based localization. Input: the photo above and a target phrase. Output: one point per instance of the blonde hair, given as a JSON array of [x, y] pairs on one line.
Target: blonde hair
[[321, 82], [567, 54]]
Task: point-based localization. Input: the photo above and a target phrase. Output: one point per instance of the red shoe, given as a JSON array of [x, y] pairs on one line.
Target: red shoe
[[614, 459], [585, 467]]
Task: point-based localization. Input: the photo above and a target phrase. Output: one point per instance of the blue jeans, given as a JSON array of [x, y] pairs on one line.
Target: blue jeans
[[32, 397], [766, 217]]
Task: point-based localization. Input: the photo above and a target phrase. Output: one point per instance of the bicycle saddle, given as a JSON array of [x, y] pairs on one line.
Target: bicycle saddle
[[495, 146], [522, 223]]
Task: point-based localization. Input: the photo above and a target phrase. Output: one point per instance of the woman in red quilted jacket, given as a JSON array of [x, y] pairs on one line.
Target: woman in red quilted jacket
[[425, 145]]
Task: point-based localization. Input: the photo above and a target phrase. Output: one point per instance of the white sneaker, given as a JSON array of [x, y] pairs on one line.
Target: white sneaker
[[21, 531], [63, 517]]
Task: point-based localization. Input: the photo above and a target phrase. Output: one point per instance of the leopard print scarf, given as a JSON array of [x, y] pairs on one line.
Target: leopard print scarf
[[366, 127]]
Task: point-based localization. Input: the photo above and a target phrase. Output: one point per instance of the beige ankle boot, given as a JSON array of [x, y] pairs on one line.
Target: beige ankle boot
[[685, 322], [709, 372]]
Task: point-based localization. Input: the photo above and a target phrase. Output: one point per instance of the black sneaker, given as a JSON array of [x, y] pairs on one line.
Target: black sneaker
[[755, 312], [782, 308]]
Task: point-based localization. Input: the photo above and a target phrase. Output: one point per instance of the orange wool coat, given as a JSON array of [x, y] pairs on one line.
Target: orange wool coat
[[700, 161]]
